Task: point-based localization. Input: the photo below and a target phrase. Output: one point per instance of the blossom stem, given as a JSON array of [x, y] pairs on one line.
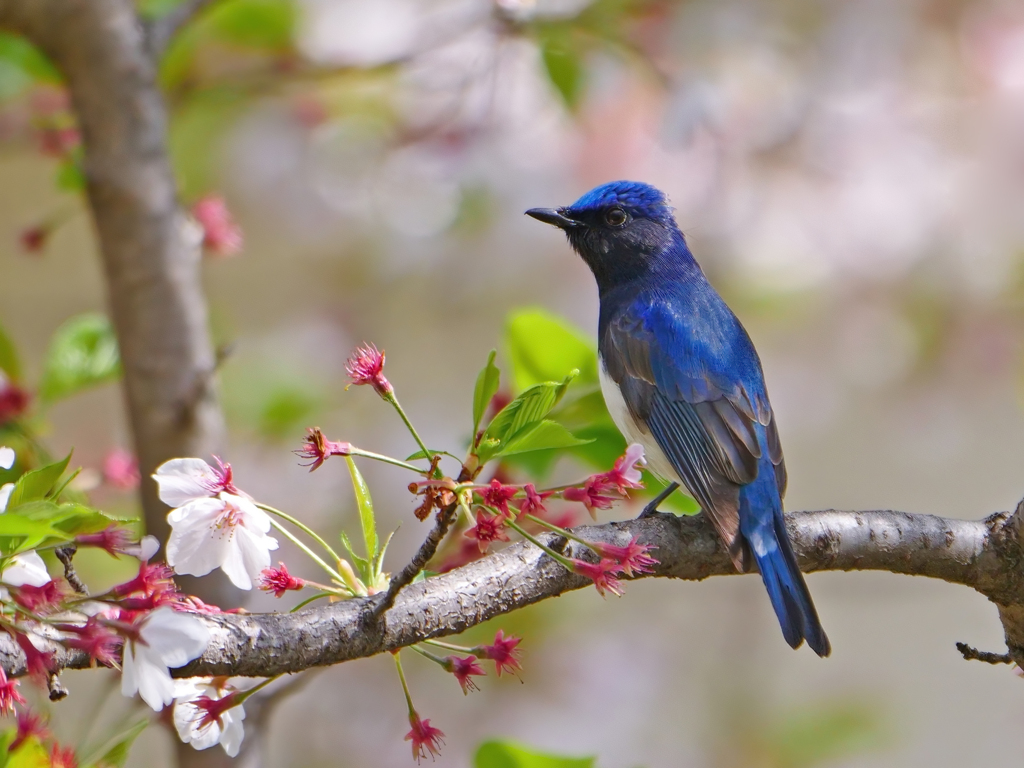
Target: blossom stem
[[401, 412], [319, 560], [436, 659], [307, 601], [243, 695], [387, 459], [302, 527], [405, 686], [448, 646], [560, 531], [562, 559]]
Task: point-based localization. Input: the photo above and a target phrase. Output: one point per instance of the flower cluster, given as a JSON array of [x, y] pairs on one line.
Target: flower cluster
[[149, 628], [212, 524]]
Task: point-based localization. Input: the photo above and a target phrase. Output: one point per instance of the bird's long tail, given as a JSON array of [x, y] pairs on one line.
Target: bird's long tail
[[764, 530]]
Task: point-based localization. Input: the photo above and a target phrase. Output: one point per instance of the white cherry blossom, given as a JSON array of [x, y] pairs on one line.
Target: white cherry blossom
[[227, 532], [226, 730], [166, 639], [6, 457], [183, 480], [25, 568]]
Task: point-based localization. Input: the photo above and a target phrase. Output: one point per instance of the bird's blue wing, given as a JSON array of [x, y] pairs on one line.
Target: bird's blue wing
[[699, 392]]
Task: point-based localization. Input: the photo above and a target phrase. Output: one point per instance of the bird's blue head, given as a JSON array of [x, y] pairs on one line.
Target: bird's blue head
[[621, 229]]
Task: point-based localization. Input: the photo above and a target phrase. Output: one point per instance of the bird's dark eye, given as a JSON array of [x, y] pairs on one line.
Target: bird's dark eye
[[615, 217]]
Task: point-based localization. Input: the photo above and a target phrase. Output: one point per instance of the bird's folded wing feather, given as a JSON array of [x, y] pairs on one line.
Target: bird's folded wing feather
[[678, 386]]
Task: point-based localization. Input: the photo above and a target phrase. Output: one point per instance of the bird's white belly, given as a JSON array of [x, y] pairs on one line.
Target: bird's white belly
[[657, 461]]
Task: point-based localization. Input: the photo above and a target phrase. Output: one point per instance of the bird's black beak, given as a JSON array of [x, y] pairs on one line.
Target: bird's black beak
[[553, 216]]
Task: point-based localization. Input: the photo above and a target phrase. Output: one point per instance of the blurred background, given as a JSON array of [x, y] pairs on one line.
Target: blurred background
[[849, 174]]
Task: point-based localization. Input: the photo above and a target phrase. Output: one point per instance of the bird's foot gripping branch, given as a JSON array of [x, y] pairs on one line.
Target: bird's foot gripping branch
[[150, 630]]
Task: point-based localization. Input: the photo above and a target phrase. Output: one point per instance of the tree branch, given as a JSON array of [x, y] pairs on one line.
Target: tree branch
[[978, 554], [160, 32], [150, 255]]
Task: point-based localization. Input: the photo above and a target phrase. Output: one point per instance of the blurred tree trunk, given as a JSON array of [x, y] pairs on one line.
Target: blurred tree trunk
[[150, 252]]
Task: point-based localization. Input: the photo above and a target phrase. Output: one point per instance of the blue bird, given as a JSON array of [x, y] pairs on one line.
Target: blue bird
[[681, 377]]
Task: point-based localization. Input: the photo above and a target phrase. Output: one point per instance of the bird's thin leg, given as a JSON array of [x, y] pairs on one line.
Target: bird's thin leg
[[651, 508]]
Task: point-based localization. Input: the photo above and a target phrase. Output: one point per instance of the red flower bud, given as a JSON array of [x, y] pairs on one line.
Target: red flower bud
[[366, 366]]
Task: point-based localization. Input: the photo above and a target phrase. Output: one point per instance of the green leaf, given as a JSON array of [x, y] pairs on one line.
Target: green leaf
[[365, 503], [432, 454], [116, 755], [70, 176], [541, 436], [285, 408], [15, 524], [75, 519], [30, 754], [523, 413], [544, 347], [486, 385], [38, 483], [9, 362], [6, 738], [361, 562], [268, 24], [22, 65], [509, 754], [563, 61], [83, 353], [378, 560]]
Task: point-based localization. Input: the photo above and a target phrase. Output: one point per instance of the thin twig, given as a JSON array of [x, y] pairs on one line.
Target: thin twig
[[65, 555], [973, 654], [423, 555]]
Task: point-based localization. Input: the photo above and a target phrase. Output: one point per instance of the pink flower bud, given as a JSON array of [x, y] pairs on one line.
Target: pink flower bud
[[426, 740], [502, 652], [318, 448], [464, 669], [488, 528], [603, 574], [366, 366], [221, 235], [279, 581], [33, 239], [121, 470], [498, 496], [99, 641], [633, 557], [9, 695], [41, 600], [14, 401], [63, 757], [29, 724]]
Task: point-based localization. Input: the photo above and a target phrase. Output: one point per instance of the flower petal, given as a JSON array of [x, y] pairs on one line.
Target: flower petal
[[184, 480], [146, 674], [233, 733], [254, 517], [5, 495], [26, 568], [6, 457], [198, 543], [174, 637]]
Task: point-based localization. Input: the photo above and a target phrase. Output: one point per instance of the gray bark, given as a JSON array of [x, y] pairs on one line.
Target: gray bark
[[982, 554], [150, 255]]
